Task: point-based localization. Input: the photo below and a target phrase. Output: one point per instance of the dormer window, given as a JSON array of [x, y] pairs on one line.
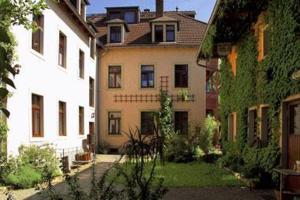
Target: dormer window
[[115, 34], [74, 3], [170, 33], [130, 17], [159, 33], [114, 15], [164, 29]]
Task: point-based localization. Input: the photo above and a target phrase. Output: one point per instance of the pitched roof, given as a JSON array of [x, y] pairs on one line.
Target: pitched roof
[[164, 19], [191, 32]]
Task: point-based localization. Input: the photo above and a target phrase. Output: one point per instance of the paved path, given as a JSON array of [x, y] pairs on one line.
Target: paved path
[[103, 163], [220, 193]]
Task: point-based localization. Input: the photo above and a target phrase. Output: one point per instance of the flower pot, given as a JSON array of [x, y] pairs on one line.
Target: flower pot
[[83, 156]]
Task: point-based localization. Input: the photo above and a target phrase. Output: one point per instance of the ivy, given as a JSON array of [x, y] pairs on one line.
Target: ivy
[[208, 43], [245, 85], [267, 82], [226, 82]]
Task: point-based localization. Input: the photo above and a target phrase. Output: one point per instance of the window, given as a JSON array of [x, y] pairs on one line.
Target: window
[[38, 35], [170, 33], [265, 125], [92, 47], [81, 120], [159, 33], [115, 15], [92, 92], [181, 122], [62, 119], [147, 76], [130, 17], [37, 116], [74, 3], [115, 34], [62, 50], [114, 123], [252, 127], [81, 64], [294, 118], [82, 9], [114, 77], [181, 76], [266, 41], [147, 123], [91, 127]]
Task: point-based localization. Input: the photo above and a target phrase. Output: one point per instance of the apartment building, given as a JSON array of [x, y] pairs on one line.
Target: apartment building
[[54, 102], [145, 52]]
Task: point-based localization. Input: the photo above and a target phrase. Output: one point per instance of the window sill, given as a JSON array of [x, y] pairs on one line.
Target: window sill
[[114, 135], [63, 69], [37, 139], [37, 54], [62, 137]]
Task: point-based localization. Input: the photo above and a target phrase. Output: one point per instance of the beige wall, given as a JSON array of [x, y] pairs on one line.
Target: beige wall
[[131, 60]]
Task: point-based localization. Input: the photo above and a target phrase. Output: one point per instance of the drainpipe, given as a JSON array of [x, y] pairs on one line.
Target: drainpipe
[[97, 106]]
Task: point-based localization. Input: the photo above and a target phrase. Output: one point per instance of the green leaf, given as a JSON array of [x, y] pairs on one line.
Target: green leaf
[[8, 81], [5, 112], [3, 93]]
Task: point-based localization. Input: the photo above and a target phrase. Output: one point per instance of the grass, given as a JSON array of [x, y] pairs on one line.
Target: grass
[[194, 174]]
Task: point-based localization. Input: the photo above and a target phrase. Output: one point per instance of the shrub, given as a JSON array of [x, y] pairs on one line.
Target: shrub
[[24, 177], [232, 157], [178, 148], [259, 164], [40, 158], [205, 135], [33, 165]]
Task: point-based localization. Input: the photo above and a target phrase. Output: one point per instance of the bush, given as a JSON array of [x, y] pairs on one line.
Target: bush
[[24, 177], [33, 165], [259, 164], [232, 157], [205, 135], [40, 158], [178, 148]]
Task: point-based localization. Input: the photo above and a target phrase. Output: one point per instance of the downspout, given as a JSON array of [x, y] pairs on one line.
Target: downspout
[[98, 109]]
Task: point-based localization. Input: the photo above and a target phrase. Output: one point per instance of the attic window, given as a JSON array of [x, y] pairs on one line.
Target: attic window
[[170, 33], [130, 17], [74, 3], [159, 33], [114, 15], [115, 34]]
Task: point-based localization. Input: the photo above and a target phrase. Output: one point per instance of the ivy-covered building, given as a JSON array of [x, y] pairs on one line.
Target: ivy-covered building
[[258, 43]]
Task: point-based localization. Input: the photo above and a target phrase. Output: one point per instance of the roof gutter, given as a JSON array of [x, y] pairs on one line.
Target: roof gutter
[[211, 19]]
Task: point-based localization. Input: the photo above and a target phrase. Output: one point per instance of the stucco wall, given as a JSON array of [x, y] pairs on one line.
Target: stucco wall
[[40, 74], [130, 60]]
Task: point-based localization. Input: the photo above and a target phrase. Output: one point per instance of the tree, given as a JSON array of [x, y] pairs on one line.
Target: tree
[[13, 12]]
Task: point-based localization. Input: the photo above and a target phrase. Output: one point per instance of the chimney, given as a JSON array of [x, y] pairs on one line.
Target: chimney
[[159, 8]]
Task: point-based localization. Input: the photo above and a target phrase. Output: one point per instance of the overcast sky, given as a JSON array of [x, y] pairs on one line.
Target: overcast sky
[[202, 7]]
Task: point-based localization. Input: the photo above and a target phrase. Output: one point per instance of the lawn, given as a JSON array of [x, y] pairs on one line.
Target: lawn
[[194, 174]]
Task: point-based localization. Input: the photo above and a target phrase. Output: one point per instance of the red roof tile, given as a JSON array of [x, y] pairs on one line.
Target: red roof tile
[[191, 31]]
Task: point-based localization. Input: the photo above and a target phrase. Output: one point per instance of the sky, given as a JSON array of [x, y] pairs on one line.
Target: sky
[[202, 7]]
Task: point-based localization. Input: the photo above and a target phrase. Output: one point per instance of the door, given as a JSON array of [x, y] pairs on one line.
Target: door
[[293, 130]]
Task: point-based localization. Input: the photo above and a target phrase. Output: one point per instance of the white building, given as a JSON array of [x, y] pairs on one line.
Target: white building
[[54, 100]]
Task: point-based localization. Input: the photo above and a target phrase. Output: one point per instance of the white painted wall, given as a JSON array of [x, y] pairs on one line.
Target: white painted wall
[[40, 74]]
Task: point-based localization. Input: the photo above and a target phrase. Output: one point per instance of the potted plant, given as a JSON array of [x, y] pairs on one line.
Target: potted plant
[[185, 94], [85, 156]]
